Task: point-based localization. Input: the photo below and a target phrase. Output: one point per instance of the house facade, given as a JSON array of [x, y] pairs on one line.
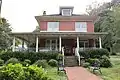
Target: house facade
[[64, 30]]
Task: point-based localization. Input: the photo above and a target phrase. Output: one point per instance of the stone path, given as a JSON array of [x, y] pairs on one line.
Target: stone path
[[80, 73]]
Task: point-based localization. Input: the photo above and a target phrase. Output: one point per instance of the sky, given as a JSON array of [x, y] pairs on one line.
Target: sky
[[20, 13]]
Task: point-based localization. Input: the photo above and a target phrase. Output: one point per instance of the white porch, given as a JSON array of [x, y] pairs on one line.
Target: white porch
[[55, 40]]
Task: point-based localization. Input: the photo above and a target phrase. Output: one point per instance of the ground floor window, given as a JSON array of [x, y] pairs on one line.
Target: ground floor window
[[51, 44], [84, 44]]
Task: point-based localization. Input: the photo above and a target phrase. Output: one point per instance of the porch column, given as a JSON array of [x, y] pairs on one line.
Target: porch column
[[13, 46], [77, 42], [37, 44], [59, 43], [100, 42], [22, 43]]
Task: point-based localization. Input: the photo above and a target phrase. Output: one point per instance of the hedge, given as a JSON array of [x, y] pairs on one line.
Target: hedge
[[32, 56], [102, 55], [94, 53]]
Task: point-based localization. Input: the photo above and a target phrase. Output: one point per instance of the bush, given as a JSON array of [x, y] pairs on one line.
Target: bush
[[12, 60], [105, 62], [94, 53], [32, 56], [98, 53], [59, 57], [18, 72], [26, 62], [53, 63], [1, 62], [42, 63], [86, 64], [113, 53], [92, 61], [84, 54]]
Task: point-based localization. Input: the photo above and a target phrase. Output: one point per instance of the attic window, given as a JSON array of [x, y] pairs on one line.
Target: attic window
[[66, 12]]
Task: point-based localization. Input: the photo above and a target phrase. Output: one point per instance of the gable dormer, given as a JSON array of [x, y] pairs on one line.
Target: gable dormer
[[66, 11]]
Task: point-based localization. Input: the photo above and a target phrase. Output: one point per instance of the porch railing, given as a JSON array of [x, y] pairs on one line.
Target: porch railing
[[77, 55], [40, 49], [63, 55], [87, 48]]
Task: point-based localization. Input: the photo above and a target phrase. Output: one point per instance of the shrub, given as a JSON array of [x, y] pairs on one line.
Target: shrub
[[18, 72], [1, 62], [53, 63], [84, 54], [113, 53], [86, 64], [12, 60], [94, 53], [42, 63], [32, 56], [98, 53], [93, 61], [105, 62], [59, 57], [26, 62]]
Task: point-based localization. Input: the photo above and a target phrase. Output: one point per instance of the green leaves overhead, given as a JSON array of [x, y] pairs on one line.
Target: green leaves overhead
[[5, 39]]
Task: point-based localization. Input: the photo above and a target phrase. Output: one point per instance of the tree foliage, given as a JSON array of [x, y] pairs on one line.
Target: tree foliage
[[5, 39], [108, 21]]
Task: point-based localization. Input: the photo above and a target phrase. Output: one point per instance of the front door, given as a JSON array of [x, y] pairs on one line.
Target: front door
[[68, 46]]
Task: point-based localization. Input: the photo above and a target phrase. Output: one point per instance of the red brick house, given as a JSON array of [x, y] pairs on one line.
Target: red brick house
[[65, 29]]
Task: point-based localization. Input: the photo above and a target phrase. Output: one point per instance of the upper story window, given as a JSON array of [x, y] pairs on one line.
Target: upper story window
[[66, 12], [80, 26], [53, 26]]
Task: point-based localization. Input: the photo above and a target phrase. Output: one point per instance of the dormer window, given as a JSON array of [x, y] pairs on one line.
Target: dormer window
[[66, 12]]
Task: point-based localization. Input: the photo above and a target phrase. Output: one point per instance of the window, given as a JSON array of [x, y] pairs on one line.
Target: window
[[51, 44], [53, 26], [81, 26], [66, 12]]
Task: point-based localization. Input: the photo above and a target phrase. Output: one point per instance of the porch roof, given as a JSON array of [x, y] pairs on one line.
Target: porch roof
[[31, 36]]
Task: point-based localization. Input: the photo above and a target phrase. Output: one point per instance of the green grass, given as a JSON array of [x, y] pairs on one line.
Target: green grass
[[53, 73], [114, 72]]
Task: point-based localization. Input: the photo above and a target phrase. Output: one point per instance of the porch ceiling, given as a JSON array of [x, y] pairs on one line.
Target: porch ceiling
[[31, 36]]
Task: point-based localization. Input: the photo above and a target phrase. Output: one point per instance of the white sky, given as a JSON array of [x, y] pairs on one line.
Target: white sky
[[20, 13]]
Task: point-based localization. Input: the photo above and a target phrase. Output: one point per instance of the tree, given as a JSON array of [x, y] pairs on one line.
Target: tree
[[108, 21], [37, 29], [5, 39]]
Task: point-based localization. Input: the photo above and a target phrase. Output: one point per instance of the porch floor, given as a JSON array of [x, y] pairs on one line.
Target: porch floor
[[80, 73]]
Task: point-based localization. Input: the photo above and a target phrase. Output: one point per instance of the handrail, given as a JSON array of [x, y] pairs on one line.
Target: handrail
[[78, 55], [63, 55]]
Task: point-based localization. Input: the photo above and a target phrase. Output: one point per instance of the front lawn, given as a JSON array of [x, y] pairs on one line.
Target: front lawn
[[114, 72], [52, 73]]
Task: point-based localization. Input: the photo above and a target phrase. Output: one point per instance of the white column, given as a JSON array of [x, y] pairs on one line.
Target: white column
[[51, 44], [77, 42], [37, 44], [13, 46], [59, 43], [100, 42], [56, 45], [22, 43]]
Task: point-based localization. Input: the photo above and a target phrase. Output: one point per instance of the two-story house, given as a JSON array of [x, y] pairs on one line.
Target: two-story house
[[65, 29]]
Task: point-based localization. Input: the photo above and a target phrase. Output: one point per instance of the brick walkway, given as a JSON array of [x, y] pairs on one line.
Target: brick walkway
[[79, 73]]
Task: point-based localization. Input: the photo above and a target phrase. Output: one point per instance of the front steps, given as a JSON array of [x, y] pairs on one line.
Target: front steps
[[70, 61]]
